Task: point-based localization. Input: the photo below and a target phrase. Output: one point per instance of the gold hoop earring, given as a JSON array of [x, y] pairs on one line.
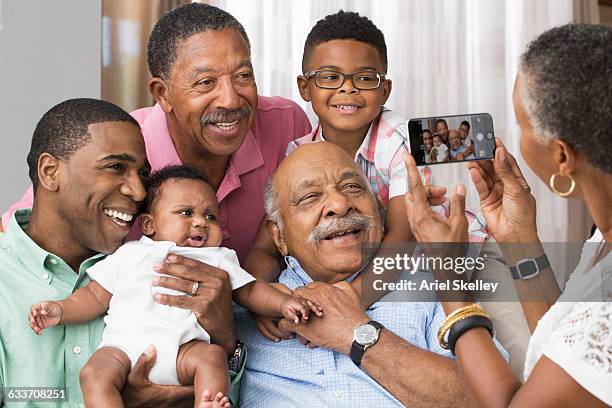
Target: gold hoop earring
[[551, 183]]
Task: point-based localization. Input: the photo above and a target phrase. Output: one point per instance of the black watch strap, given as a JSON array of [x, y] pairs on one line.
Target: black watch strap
[[356, 353], [529, 268], [357, 349]]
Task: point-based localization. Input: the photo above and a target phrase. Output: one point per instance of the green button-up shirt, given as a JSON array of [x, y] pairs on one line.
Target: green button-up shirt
[[29, 274]]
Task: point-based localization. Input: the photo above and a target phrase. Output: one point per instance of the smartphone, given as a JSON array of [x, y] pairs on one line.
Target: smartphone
[[448, 139]]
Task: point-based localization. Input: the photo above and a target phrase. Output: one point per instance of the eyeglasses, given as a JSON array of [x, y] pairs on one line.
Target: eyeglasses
[[363, 80]]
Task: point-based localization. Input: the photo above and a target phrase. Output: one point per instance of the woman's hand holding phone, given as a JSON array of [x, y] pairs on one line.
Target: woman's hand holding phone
[[505, 198]]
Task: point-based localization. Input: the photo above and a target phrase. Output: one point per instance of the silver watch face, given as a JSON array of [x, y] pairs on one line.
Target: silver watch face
[[366, 334]]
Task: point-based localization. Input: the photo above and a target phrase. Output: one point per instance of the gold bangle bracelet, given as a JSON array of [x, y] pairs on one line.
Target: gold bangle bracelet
[[450, 318], [456, 316], [442, 334]]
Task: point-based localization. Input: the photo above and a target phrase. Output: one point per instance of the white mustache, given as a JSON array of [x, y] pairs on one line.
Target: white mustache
[[352, 221]]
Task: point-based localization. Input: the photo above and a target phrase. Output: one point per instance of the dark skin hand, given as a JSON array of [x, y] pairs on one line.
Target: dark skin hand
[[212, 304], [485, 374], [140, 392], [418, 378], [342, 323]]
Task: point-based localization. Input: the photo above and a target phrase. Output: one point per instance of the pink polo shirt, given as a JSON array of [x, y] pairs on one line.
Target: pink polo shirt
[[240, 194]]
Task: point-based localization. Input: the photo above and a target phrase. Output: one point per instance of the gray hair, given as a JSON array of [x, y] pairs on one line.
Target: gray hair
[[566, 78], [271, 203]]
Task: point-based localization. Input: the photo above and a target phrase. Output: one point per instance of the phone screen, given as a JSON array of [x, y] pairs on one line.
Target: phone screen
[[447, 139]]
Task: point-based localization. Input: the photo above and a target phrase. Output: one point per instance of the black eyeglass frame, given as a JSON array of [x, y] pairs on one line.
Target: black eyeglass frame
[[380, 75]]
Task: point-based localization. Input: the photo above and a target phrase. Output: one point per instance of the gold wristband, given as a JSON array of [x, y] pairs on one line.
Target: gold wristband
[[451, 317], [456, 316]]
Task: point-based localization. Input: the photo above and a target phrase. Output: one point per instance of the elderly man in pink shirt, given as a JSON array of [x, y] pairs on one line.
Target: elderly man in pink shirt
[[208, 115]]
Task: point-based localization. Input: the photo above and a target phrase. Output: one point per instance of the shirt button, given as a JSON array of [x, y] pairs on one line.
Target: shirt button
[[45, 276], [53, 261], [338, 394], [76, 349]]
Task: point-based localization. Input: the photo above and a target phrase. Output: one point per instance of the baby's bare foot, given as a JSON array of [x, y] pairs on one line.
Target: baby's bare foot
[[219, 401]]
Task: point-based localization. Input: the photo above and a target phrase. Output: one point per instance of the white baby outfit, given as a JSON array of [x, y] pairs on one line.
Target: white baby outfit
[[135, 320], [442, 149]]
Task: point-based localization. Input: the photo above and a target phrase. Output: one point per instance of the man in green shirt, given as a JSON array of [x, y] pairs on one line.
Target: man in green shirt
[[87, 163]]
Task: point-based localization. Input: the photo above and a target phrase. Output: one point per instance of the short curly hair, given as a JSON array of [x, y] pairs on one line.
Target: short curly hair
[[567, 89], [63, 129], [344, 25], [178, 25], [172, 172]]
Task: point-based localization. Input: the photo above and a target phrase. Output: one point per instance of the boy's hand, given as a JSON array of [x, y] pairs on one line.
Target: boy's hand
[[43, 315], [295, 307]]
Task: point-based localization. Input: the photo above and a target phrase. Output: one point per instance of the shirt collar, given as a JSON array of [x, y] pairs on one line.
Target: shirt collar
[[294, 268], [161, 151], [248, 157], [32, 256], [368, 146]]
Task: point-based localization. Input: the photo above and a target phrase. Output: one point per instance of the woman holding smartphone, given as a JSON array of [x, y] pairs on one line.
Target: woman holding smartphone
[[563, 103]]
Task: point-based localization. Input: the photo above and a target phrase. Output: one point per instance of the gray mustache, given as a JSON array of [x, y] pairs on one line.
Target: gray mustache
[[225, 116], [352, 221]]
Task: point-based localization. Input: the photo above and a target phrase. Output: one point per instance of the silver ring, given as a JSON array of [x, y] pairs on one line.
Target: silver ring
[[194, 288]]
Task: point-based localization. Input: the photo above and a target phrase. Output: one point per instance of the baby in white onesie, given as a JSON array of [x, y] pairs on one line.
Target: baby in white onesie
[[439, 153], [181, 217]]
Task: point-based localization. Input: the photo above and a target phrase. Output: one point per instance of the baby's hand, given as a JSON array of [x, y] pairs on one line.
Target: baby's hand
[[43, 315], [295, 307]]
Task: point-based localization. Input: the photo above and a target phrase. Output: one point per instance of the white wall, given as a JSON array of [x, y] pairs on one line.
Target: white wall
[[49, 51]]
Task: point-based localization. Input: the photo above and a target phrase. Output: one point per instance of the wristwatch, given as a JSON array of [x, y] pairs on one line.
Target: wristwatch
[[364, 336], [529, 268], [236, 360]]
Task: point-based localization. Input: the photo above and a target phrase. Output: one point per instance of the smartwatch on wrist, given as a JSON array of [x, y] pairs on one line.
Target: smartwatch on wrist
[[529, 268], [364, 336]]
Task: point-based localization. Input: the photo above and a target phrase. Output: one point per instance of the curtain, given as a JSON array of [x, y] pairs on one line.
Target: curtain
[[126, 26], [445, 57]]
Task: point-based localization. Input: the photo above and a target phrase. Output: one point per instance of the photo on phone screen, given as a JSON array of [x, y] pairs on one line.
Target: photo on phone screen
[[446, 139]]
